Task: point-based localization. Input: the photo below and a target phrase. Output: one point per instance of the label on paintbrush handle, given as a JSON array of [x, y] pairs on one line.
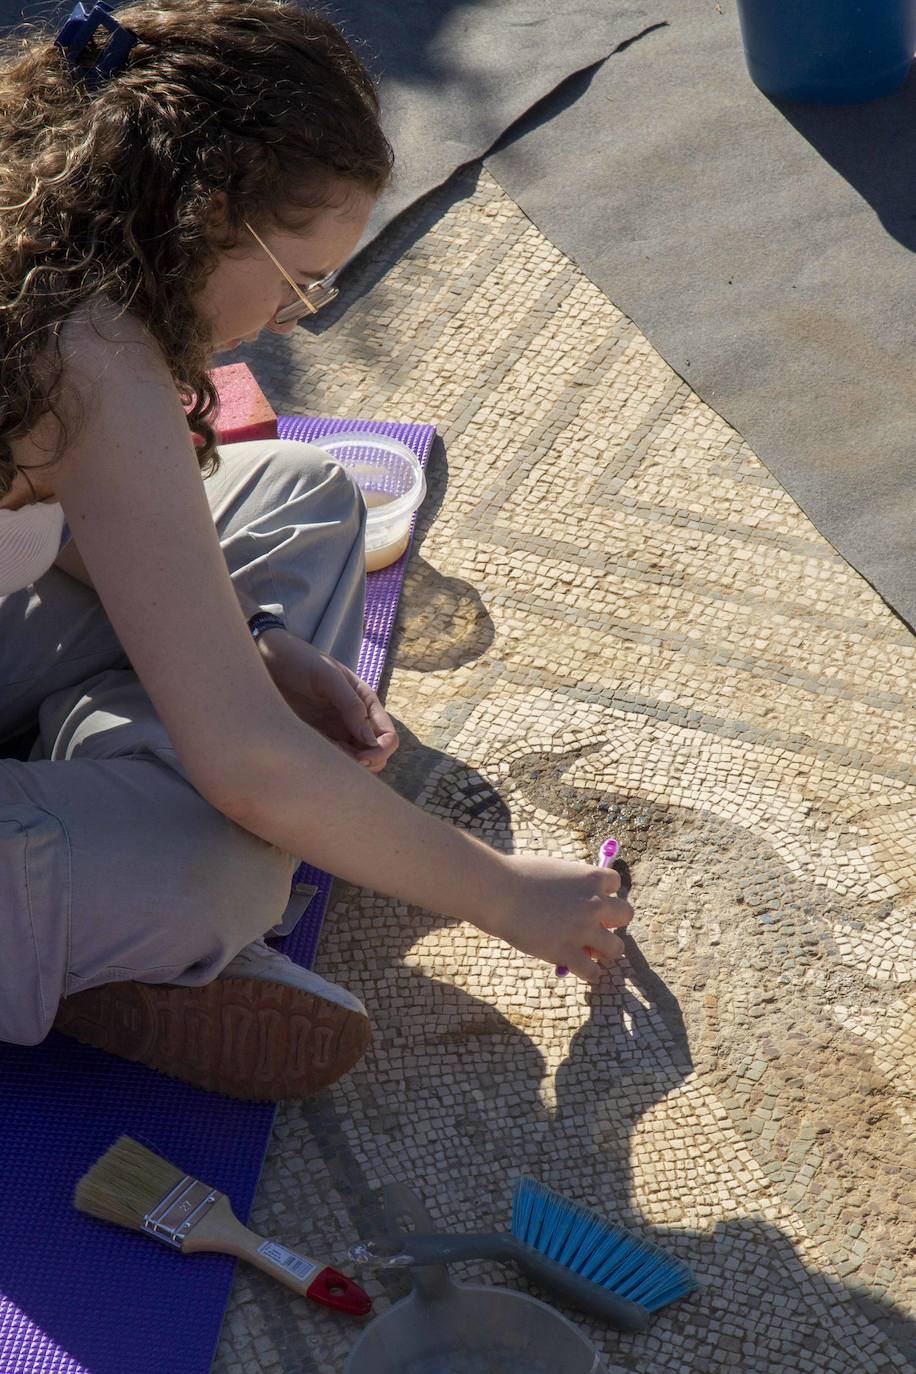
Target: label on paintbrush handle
[[294, 1264]]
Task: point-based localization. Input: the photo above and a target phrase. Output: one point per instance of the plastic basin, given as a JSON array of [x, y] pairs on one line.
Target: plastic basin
[[473, 1330], [392, 483]]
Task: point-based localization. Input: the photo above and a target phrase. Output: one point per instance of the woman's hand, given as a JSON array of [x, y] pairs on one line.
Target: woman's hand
[[561, 912], [330, 698]]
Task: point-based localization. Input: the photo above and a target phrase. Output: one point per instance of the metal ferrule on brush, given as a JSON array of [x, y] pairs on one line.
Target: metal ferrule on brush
[[174, 1215]]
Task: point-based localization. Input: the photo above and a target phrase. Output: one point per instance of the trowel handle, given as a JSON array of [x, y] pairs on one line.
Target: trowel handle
[[563, 1283], [401, 1203]]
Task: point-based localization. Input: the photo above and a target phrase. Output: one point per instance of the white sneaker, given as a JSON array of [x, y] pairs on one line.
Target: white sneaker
[[263, 1030], [259, 960]]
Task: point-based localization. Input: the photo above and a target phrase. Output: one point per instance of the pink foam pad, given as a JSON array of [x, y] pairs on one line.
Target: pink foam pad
[[244, 410]]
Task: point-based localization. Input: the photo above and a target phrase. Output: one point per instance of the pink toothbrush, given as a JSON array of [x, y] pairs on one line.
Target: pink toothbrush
[[606, 856]]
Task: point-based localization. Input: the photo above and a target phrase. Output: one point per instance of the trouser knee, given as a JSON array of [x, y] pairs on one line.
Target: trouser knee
[[233, 889], [292, 530], [285, 476], [163, 883]]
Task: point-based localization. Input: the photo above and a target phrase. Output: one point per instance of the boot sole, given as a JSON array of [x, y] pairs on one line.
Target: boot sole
[[243, 1037]]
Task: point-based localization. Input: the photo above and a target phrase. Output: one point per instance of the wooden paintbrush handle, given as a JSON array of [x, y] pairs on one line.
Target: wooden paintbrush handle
[[220, 1230]]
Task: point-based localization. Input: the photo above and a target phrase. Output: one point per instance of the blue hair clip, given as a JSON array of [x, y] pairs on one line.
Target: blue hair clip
[[78, 30]]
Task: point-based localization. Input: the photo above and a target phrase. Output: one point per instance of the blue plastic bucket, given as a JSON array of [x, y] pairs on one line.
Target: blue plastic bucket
[[828, 52]]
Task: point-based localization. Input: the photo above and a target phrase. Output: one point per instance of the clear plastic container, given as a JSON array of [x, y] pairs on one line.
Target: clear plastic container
[[393, 486]]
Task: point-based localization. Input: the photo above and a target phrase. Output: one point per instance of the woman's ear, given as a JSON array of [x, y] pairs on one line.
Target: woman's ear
[[216, 216], [216, 220]]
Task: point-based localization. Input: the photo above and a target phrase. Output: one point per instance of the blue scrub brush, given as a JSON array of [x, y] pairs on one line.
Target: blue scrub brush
[[569, 1250]]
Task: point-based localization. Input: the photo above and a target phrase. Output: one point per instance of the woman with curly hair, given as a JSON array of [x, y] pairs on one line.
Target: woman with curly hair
[[174, 179]]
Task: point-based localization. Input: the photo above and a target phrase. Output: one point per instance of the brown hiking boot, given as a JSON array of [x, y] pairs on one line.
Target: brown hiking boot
[[263, 1030]]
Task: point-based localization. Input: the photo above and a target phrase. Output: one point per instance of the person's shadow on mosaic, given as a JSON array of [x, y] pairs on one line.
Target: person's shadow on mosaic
[[474, 1081], [759, 1307], [485, 1122]]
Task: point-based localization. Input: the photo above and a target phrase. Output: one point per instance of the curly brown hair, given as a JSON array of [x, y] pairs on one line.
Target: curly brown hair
[[108, 188]]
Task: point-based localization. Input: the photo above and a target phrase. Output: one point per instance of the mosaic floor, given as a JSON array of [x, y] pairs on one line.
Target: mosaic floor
[[616, 622]]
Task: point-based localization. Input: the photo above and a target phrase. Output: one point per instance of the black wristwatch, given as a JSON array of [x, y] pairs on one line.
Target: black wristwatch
[[264, 621]]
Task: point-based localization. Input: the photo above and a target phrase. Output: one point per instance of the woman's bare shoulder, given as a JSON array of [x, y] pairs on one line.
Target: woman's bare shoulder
[[101, 332], [98, 360]]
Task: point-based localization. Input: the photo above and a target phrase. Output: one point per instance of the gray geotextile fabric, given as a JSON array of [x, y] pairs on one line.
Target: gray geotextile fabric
[[455, 74], [765, 249]]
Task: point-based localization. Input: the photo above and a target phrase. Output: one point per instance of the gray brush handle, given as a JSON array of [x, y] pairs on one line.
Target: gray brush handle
[[402, 1204], [560, 1281]]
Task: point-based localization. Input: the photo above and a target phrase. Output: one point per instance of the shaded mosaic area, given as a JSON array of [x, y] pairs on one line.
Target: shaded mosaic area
[[615, 621]]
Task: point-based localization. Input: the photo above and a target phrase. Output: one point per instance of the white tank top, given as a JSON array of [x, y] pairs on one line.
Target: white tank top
[[30, 540]]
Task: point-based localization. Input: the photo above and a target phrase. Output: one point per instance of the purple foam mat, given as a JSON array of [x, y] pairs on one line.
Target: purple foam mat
[[383, 590], [78, 1296]]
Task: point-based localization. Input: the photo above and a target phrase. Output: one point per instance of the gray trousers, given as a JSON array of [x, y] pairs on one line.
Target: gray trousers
[[112, 866]]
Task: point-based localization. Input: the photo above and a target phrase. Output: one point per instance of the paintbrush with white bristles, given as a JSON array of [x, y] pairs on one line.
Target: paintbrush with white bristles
[[133, 1187]]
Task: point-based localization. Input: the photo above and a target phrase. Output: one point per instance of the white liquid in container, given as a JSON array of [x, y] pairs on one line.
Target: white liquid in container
[[385, 554]]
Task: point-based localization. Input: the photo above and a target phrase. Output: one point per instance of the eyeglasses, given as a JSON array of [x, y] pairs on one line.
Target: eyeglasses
[[310, 301]]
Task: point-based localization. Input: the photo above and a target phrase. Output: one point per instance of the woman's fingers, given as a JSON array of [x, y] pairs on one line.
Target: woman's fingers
[[606, 946], [351, 708], [583, 967], [616, 913], [368, 724], [609, 880], [379, 755], [380, 724], [375, 759], [590, 961]]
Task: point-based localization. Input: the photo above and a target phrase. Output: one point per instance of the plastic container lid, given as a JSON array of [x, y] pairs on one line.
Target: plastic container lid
[[390, 478]]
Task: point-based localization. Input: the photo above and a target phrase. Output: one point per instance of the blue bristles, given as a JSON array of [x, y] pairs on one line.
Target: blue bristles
[[585, 1244]]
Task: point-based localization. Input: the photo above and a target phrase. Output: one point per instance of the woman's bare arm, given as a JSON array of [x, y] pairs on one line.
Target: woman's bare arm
[[133, 497]]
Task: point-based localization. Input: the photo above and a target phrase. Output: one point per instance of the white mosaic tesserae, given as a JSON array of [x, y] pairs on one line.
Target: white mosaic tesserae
[[615, 621]]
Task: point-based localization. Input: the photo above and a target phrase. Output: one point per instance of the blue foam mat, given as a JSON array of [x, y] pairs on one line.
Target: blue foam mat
[[78, 1296]]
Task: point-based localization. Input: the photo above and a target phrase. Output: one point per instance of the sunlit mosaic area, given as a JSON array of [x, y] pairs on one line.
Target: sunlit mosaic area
[[616, 622]]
